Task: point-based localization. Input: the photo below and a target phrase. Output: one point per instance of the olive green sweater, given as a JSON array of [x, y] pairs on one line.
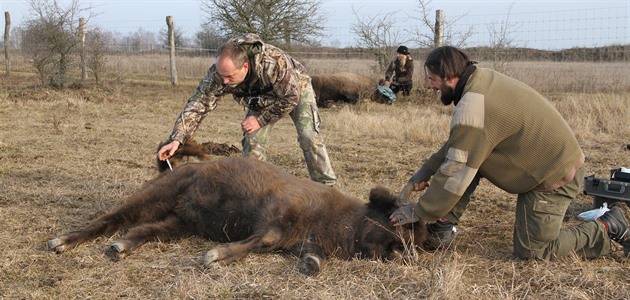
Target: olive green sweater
[[505, 130]]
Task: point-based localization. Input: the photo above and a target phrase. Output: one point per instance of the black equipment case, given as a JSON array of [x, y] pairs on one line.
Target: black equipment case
[[613, 190]]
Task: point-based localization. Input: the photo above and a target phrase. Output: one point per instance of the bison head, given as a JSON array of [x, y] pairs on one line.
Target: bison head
[[377, 237]]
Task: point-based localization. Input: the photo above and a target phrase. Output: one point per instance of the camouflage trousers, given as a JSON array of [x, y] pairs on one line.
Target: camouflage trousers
[[306, 120], [538, 231]]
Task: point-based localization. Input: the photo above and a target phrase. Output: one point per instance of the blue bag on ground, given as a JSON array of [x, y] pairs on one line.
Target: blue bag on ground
[[387, 93], [593, 214]]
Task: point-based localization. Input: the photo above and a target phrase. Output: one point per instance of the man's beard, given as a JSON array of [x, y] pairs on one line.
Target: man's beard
[[447, 94]]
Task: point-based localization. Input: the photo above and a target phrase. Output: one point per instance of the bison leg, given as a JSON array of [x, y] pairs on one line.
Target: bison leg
[[102, 226], [259, 242], [150, 203], [172, 227]]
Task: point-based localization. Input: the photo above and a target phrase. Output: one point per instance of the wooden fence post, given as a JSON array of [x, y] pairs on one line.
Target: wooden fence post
[[287, 34], [84, 73], [7, 29], [439, 24], [171, 52]]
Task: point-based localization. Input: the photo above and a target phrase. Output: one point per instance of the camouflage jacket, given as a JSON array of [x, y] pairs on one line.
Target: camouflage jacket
[[271, 87], [402, 70]]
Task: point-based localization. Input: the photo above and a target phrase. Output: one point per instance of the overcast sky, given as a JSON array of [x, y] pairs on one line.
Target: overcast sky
[[127, 16]]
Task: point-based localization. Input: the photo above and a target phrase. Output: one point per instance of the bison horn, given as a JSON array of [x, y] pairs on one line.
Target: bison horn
[[405, 194]]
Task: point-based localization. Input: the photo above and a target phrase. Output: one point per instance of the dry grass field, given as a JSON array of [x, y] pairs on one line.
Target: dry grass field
[[69, 156]]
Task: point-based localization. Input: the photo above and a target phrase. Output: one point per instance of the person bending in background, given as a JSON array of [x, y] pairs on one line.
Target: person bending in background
[[271, 84], [506, 132], [400, 72]]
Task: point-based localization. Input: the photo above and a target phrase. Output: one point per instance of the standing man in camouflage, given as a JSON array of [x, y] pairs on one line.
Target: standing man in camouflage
[[271, 84]]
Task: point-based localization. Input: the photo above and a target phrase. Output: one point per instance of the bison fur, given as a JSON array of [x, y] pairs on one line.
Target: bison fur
[[342, 87]]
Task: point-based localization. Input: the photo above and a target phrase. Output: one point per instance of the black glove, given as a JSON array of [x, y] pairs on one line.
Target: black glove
[[423, 174], [404, 215]]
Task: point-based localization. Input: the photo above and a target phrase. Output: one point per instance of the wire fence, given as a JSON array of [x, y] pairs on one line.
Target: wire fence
[[599, 35], [553, 30], [548, 31]]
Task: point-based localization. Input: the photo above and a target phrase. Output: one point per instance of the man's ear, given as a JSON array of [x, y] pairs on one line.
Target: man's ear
[[246, 65]]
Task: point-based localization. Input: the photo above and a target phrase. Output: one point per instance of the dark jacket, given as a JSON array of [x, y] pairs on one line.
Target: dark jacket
[[402, 70]]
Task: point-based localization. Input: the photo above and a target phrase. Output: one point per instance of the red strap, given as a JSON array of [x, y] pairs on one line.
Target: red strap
[[605, 225]]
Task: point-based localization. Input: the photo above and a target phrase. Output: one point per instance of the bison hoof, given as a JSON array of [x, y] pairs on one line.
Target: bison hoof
[[210, 258], [56, 245], [309, 265], [115, 251], [117, 247]]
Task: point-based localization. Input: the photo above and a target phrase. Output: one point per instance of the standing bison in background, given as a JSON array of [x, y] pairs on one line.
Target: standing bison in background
[[342, 87], [252, 206]]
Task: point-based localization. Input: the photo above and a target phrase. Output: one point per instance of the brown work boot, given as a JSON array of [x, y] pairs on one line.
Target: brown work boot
[[617, 222]]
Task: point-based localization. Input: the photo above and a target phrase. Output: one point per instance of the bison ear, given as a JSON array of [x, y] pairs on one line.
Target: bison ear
[[381, 197]]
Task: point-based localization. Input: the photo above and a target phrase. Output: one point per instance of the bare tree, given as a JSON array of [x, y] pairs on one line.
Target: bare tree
[[378, 35], [140, 40], [282, 22], [178, 36], [209, 38], [58, 34], [96, 42], [425, 34], [38, 53], [16, 37], [501, 40]]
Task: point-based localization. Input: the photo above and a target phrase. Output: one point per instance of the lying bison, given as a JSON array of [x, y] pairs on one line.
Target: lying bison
[[252, 206], [342, 87]]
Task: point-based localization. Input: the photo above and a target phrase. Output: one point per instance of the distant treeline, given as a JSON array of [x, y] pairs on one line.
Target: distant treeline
[[613, 53], [598, 54]]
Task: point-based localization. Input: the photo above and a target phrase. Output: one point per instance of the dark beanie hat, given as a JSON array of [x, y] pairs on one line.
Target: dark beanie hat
[[402, 50]]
